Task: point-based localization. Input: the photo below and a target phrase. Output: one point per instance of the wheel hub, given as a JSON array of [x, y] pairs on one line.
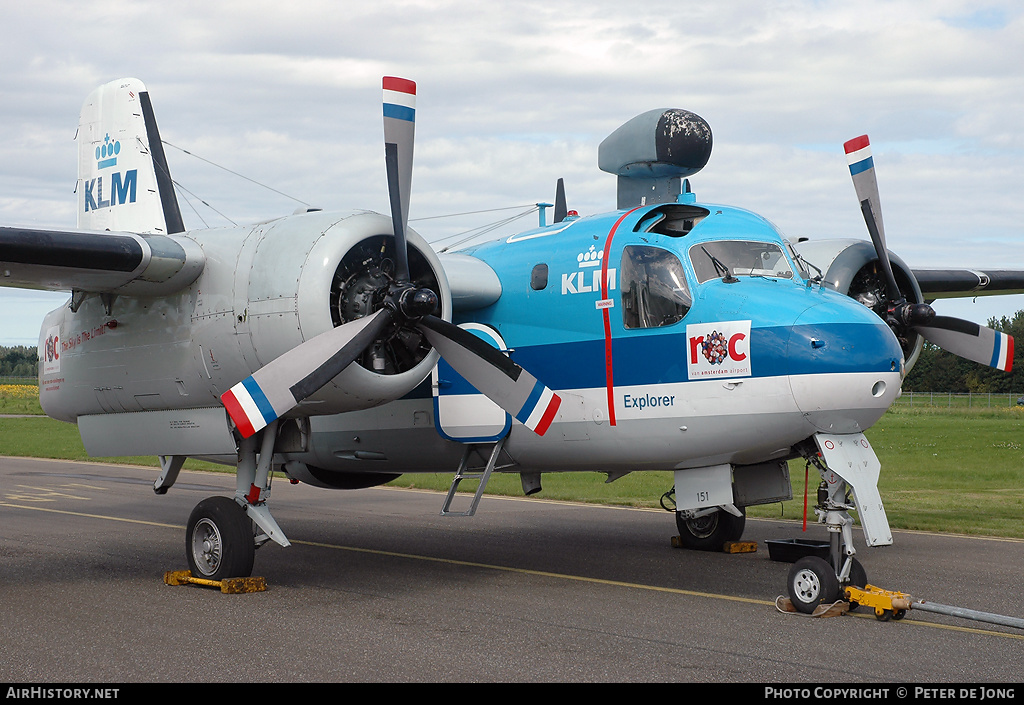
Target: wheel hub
[[207, 546], [703, 526], [807, 586]]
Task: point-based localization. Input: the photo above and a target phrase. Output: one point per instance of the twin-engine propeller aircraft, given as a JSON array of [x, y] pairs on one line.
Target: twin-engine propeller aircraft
[[341, 350]]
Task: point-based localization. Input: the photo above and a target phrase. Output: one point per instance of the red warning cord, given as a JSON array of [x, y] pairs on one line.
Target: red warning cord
[[807, 469]]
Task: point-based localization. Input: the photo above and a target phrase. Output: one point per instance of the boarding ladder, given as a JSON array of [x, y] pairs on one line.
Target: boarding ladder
[[465, 472]]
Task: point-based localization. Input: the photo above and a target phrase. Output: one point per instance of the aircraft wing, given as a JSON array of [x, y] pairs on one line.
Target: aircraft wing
[[102, 262], [952, 283]]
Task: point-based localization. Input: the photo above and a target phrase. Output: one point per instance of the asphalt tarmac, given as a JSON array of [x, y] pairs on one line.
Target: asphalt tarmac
[[378, 587]]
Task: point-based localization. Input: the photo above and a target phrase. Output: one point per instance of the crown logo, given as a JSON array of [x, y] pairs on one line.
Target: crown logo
[[106, 153], [590, 258]]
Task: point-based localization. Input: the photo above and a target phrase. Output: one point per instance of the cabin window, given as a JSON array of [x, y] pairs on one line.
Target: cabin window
[[654, 290], [738, 258], [539, 277]]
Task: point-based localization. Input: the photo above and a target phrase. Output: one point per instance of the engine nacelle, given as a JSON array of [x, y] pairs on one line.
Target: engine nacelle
[[851, 267], [289, 280], [264, 290]]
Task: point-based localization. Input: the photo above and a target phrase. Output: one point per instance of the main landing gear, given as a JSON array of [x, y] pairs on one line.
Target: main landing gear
[[223, 533], [708, 530], [219, 540]]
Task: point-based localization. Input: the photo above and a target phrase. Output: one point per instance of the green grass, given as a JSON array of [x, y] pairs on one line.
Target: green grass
[[953, 470], [19, 399], [43, 437]]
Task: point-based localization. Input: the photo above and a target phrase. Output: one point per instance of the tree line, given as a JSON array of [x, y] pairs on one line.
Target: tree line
[[939, 371], [18, 361]]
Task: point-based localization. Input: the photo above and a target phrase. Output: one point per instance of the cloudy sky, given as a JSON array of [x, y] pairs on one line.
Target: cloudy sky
[[513, 95]]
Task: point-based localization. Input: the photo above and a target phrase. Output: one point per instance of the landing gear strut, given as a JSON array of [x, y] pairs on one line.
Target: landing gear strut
[[223, 533], [814, 581]]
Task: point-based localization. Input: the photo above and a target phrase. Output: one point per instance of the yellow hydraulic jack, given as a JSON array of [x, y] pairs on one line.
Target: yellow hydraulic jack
[[889, 604], [228, 586]]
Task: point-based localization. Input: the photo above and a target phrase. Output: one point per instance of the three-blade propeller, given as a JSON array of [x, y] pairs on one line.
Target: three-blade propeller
[[963, 338], [285, 382]]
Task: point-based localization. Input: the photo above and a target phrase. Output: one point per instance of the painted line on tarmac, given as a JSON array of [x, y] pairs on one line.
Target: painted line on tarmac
[[635, 586], [525, 571], [93, 516]]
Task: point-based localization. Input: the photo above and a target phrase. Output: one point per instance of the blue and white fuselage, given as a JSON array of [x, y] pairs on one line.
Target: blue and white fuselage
[[670, 347]]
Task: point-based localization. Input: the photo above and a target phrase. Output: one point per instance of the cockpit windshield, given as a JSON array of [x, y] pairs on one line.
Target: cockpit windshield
[[739, 258]]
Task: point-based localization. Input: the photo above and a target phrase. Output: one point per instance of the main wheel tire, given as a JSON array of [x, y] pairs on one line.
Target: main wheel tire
[[709, 532], [858, 578], [812, 582], [219, 540]]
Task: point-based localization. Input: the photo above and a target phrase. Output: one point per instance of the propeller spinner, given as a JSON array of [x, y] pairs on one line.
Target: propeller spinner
[[963, 338], [285, 382]]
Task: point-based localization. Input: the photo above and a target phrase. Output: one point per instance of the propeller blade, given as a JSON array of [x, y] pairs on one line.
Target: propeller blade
[[276, 388], [504, 382], [862, 169], [971, 341], [561, 210], [399, 137]]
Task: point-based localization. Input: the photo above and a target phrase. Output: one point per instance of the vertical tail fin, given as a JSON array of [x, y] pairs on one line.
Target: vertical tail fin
[[123, 180]]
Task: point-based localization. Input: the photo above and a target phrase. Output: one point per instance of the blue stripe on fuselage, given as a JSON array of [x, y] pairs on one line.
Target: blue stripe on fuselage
[[661, 357]]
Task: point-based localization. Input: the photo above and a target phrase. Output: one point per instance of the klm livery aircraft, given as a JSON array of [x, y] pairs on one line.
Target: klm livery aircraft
[[338, 348]]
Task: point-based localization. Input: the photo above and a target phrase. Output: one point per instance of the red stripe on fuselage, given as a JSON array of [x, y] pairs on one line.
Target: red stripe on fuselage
[[609, 381]]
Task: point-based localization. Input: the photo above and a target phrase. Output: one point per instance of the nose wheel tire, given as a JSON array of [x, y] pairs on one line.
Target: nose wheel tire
[[812, 582], [710, 531], [219, 540]]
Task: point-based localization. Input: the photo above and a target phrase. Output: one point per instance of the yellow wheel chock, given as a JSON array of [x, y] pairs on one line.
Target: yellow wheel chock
[[228, 586]]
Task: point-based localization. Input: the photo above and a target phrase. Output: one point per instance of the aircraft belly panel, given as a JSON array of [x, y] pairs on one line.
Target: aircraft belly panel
[[189, 432]]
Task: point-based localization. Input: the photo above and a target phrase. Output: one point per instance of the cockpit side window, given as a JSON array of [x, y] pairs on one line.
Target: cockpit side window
[[654, 289]]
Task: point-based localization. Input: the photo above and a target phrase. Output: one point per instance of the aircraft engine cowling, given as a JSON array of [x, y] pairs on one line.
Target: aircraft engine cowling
[[300, 276], [851, 267]]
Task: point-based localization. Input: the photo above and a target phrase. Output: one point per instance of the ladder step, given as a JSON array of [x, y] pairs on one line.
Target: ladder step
[[464, 473]]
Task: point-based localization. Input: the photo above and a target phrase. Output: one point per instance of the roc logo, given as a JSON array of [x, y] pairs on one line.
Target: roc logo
[[715, 348], [579, 282], [50, 352], [718, 350]]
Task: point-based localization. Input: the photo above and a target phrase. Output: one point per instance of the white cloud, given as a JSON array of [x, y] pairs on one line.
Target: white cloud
[[514, 95]]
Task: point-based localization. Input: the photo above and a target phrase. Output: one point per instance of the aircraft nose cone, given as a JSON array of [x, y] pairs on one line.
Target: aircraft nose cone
[[845, 366]]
